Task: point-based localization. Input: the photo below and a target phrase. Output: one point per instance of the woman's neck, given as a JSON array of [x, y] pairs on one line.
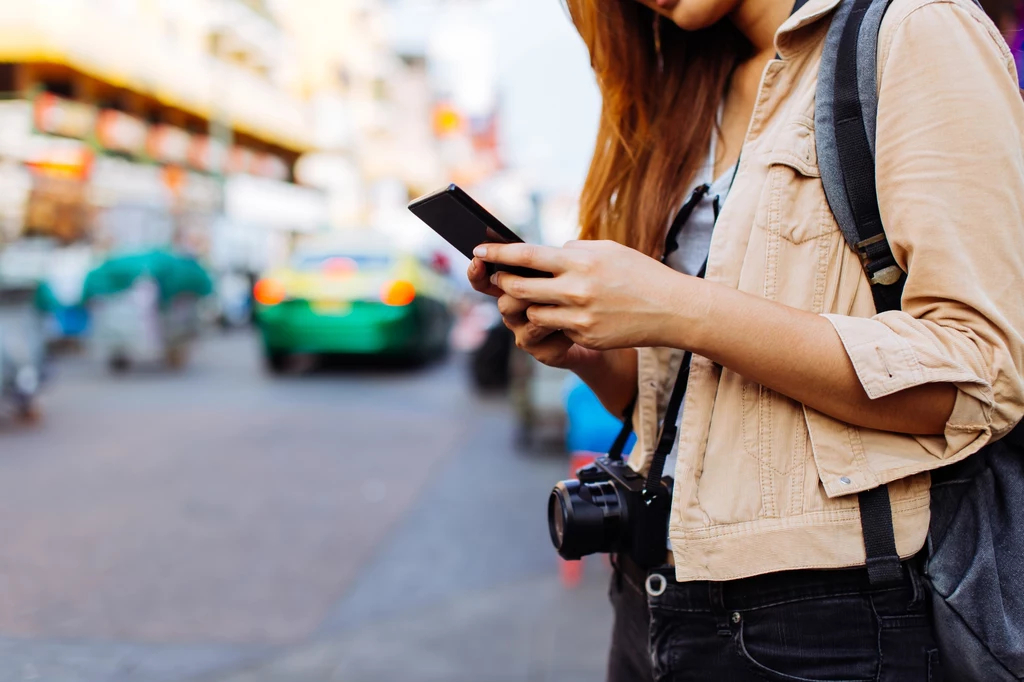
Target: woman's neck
[[758, 20]]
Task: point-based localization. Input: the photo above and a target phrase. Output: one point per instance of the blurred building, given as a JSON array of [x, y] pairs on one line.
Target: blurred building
[[512, 99], [387, 124], [131, 123], [370, 108]]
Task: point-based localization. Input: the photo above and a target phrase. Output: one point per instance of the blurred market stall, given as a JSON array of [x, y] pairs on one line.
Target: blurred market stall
[[132, 126]]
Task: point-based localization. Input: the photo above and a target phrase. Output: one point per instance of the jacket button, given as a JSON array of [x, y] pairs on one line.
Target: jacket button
[[736, 617], [845, 480]]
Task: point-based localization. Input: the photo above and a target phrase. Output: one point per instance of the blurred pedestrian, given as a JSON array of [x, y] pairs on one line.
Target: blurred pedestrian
[[799, 396], [1009, 17], [1005, 14]]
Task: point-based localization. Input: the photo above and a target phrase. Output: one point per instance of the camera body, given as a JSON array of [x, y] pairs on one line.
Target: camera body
[[608, 508]]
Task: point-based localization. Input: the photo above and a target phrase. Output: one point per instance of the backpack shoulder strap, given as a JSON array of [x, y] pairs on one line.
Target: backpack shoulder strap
[[845, 109], [846, 103]]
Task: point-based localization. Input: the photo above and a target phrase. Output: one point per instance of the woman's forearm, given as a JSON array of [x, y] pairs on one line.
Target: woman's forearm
[[612, 376], [800, 355]]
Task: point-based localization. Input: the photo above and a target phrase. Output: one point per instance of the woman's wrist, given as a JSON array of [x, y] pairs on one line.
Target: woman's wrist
[[586, 363], [612, 375], [689, 313]]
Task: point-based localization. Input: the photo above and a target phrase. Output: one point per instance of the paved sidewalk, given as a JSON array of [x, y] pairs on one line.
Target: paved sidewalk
[[534, 631], [220, 525]]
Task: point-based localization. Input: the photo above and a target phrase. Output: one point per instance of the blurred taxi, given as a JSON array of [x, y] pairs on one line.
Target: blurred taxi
[[355, 297]]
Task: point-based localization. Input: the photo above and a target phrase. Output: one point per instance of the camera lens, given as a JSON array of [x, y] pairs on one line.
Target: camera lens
[[585, 518], [557, 514]]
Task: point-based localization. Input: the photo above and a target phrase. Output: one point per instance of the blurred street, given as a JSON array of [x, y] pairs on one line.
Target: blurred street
[[349, 523], [180, 503]]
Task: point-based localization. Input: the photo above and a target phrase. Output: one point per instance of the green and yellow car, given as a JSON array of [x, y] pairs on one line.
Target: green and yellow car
[[354, 300]]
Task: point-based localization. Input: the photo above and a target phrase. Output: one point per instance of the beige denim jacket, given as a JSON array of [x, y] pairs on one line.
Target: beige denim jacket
[[765, 484]]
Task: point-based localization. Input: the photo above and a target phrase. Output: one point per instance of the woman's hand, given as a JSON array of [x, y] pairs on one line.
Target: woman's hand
[[479, 280], [603, 295], [610, 374], [548, 346]]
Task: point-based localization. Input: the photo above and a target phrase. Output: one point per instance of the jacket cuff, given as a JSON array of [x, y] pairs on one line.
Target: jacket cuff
[[886, 362]]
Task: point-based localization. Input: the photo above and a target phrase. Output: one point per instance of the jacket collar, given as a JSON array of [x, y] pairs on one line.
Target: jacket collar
[[811, 13]]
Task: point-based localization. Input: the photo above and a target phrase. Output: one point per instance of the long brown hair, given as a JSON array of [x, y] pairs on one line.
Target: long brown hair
[[655, 123]]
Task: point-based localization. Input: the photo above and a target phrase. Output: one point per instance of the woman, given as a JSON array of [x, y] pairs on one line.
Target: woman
[[799, 396]]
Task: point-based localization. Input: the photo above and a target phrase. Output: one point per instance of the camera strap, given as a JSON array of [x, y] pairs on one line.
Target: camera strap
[[669, 427], [671, 245]]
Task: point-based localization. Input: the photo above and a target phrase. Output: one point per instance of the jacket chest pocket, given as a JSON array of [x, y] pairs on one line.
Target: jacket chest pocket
[[794, 207]]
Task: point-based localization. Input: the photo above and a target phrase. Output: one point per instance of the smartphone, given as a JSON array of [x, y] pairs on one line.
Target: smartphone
[[465, 224]]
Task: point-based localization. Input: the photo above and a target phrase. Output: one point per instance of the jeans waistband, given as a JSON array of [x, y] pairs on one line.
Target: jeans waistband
[[761, 590]]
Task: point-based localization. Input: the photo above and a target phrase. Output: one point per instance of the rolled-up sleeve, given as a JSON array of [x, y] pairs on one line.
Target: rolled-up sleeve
[[950, 175]]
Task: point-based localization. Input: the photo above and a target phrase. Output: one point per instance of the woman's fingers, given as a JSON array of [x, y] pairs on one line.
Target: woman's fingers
[[526, 332], [550, 317], [533, 333], [512, 307], [532, 289], [480, 280], [543, 258], [551, 348], [513, 314]]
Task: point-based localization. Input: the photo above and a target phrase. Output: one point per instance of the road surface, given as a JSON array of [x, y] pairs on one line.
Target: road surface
[[353, 524]]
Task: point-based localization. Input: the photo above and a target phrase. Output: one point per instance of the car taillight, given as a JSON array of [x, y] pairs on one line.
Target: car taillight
[[268, 292], [397, 293]]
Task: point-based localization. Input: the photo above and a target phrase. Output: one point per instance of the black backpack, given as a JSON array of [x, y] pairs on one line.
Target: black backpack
[[975, 546]]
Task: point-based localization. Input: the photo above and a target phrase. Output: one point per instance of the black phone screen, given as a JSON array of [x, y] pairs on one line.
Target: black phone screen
[[465, 224]]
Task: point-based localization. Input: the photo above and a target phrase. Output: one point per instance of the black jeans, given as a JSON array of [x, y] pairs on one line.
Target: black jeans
[[797, 625]]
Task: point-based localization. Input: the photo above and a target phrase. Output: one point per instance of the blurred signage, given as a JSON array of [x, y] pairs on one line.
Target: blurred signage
[[120, 132], [169, 144], [175, 178], [244, 161], [15, 185], [207, 154], [240, 160], [57, 207], [484, 131], [202, 193], [447, 120], [58, 158], [193, 191], [270, 166], [119, 181], [273, 204], [15, 128], [59, 116]]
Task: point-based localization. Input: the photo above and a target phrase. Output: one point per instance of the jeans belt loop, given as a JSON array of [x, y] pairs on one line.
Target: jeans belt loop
[[656, 584]]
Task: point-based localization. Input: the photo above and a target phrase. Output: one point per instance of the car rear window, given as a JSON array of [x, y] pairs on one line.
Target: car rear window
[[376, 261]]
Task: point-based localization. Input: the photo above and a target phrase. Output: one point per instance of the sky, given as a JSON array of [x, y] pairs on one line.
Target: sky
[[528, 55]]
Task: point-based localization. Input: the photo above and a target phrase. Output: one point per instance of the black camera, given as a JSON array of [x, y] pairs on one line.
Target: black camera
[[609, 508]]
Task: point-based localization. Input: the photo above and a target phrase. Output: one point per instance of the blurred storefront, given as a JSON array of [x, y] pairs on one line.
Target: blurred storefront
[[127, 125], [394, 115]]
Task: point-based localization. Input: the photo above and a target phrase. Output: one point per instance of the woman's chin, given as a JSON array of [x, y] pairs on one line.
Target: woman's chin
[[694, 15]]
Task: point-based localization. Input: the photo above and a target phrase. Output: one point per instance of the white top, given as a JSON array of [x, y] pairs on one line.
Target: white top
[[694, 240]]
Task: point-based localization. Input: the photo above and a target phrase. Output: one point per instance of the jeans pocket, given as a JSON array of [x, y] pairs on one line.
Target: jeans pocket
[[831, 639]]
